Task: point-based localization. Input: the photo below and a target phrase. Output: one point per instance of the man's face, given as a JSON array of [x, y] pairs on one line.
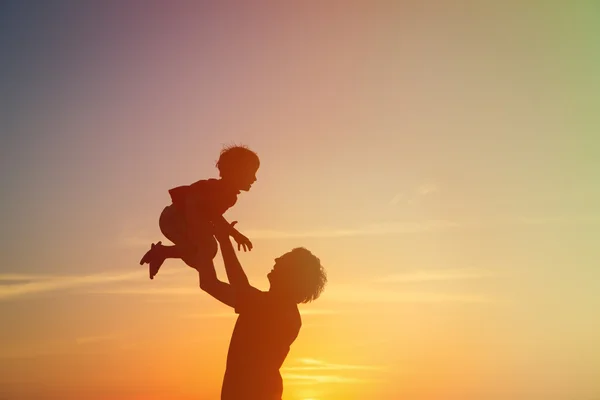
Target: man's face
[[280, 270]]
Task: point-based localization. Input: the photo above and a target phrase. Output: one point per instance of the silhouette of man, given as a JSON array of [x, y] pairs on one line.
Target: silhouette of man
[[268, 322]]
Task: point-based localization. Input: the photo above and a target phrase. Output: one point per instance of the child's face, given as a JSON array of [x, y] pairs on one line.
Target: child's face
[[245, 178]]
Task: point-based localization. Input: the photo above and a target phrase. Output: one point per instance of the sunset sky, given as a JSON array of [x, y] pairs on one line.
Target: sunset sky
[[442, 159]]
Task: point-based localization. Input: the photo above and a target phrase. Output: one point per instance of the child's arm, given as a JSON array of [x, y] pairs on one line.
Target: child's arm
[[241, 240]]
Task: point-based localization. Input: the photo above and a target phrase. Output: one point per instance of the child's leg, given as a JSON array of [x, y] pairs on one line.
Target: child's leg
[[174, 227], [168, 251]]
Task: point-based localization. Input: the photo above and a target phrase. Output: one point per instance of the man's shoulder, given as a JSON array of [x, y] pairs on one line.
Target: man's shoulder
[[248, 299], [296, 314], [294, 320], [287, 308]]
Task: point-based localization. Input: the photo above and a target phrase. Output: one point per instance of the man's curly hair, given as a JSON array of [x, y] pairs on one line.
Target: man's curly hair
[[310, 277]]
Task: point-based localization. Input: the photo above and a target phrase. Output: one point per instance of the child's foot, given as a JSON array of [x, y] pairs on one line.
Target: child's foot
[[148, 256], [155, 263], [154, 259]]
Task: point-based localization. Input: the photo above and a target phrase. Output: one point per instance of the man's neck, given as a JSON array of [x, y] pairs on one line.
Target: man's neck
[[281, 296]]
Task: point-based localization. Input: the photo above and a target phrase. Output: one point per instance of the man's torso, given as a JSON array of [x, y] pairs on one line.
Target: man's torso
[[260, 342]]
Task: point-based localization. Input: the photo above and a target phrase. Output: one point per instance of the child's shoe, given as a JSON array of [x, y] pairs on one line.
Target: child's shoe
[[153, 259]]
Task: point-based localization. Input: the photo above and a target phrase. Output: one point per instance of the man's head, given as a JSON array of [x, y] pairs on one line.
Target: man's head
[[298, 274], [238, 166]]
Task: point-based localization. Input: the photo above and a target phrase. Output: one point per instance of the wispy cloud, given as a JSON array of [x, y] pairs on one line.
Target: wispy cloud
[[392, 227], [317, 311], [311, 364], [95, 339], [135, 290], [306, 371], [218, 315], [423, 190], [34, 284], [24, 277], [368, 230], [231, 314], [382, 228], [295, 379], [437, 275], [137, 238], [398, 197], [426, 189], [559, 220], [364, 294]]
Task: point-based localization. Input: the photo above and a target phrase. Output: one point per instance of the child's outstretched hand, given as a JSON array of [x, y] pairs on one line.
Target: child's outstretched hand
[[241, 240]]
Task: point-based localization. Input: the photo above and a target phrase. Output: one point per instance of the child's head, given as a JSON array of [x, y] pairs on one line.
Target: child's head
[[298, 274], [238, 165]]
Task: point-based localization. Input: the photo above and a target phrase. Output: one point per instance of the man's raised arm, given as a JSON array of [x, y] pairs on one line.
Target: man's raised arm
[[235, 273], [209, 282]]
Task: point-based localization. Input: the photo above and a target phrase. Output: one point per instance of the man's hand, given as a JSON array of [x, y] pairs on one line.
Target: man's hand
[[235, 273]]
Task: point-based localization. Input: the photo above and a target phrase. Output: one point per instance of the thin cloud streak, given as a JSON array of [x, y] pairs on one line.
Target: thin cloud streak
[[317, 311], [421, 191], [232, 314], [294, 379], [11, 277], [217, 315], [31, 284], [560, 220], [136, 239], [387, 228], [397, 199], [369, 230], [95, 339], [36, 284], [165, 291], [427, 189], [310, 364], [364, 294], [436, 275], [295, 376]]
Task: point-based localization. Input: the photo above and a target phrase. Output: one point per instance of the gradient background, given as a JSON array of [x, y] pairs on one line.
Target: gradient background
[[443, 161]]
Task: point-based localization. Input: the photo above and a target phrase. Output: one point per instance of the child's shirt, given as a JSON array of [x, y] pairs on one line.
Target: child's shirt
[[215, 194]]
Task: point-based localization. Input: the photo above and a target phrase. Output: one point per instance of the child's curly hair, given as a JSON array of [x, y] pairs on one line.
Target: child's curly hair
[[236, 157], [310, 277]]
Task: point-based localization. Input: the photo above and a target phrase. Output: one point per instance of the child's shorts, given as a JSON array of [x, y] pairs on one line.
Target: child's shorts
[[175, 228]]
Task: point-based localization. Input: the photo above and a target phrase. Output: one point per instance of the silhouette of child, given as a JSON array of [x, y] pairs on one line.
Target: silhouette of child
[[189, 221]]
